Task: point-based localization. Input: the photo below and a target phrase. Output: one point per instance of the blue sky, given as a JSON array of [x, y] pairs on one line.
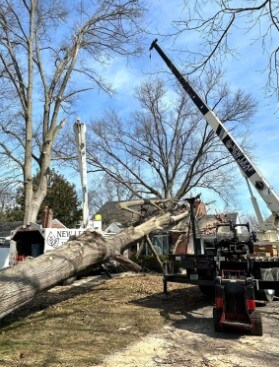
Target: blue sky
[[245, 72]]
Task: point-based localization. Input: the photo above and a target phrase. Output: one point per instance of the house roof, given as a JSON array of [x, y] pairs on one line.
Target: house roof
[[113, 228], [112, 213], [57, 224], [6, 228]]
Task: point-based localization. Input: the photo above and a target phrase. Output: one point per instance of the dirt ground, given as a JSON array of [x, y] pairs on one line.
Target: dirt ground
[[191, 341], [129, 322]]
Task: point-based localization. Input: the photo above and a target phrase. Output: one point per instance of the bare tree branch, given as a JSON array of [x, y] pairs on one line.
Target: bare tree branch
[[42, 50], [166, 149], [216, 21]]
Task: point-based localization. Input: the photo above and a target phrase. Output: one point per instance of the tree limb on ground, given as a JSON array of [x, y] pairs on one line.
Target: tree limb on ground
[[127, 263]]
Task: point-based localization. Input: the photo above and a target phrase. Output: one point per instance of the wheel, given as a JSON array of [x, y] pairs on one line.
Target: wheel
[[257, 327], [216, 319]]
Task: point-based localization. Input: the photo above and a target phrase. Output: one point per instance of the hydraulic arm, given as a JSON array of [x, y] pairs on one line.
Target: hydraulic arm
[[79, 130]]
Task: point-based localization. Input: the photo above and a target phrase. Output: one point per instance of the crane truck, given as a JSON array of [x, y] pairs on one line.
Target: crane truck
[[230, 266]]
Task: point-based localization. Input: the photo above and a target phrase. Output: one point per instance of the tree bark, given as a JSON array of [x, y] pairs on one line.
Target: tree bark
[[127, 263], [19, 284]]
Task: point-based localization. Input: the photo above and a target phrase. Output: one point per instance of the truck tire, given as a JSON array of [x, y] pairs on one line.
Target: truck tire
[[257, 327], [216, 319]]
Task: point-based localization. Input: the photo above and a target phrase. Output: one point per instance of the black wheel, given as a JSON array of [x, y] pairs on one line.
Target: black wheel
[[216, 319], [257, 327]]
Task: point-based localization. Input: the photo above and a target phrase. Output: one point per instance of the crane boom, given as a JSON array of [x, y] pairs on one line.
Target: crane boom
[[247, 167], [79, 130]]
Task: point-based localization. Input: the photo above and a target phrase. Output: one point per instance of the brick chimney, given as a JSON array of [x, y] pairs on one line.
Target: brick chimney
[[200, 208], [46, 217]]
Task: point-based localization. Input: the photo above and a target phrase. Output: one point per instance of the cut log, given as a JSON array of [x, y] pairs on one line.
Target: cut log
[[127, 263], [19, 284]]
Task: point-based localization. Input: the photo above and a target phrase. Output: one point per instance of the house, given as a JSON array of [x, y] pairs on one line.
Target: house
[[116, 219], [176, 239], [181, 235], [113, 228]]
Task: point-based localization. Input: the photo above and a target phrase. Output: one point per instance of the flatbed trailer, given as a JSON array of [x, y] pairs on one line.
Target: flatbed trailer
[[202, 272], [231, 251]]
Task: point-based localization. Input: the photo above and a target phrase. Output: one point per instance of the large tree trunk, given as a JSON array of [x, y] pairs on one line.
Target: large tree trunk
[[19, 284]]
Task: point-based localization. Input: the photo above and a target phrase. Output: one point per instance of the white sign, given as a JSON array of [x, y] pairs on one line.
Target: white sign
[[55, 237]]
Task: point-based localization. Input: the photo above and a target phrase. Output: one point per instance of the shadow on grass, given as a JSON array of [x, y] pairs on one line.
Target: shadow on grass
[[188, 309], [184, 308]]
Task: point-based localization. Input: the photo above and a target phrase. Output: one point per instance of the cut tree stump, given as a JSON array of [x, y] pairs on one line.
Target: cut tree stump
[[19, 284]]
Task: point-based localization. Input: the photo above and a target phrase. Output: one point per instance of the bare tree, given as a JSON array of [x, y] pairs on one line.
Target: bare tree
[[252, 220], [49, 50], [104, 188], [9, 183], [216, 21], [7, 196], [166, 149]]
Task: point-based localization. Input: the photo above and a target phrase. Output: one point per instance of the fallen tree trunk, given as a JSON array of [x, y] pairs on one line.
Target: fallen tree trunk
[[19, 284]]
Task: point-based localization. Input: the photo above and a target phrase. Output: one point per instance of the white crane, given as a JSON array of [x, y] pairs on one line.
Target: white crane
[[248, 169]]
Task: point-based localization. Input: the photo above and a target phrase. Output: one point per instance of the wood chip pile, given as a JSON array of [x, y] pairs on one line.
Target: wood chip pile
[[210, 228]]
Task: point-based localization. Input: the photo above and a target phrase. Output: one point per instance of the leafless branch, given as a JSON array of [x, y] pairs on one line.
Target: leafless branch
[[217, 26]]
